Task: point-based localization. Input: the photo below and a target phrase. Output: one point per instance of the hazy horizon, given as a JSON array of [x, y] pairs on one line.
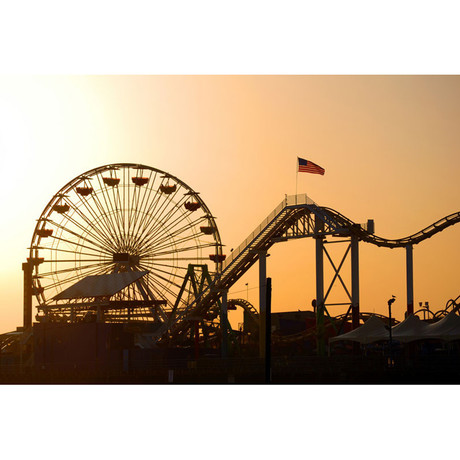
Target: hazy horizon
[[389, 145]]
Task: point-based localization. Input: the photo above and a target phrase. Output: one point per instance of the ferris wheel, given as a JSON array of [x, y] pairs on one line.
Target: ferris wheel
[[131, 227]]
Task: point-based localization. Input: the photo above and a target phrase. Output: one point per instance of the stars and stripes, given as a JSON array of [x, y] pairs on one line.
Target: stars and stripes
[[309, 167]]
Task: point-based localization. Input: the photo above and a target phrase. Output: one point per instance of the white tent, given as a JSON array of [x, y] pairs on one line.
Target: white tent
[[412, 328], [447, 328], [373, 330]]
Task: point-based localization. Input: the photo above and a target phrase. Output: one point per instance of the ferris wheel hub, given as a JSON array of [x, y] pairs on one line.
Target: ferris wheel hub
[[125, 257]]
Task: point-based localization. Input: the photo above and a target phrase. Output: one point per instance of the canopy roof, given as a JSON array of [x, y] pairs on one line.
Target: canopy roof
[[412, 328], [100, 285], [447, 328], [372, 330]]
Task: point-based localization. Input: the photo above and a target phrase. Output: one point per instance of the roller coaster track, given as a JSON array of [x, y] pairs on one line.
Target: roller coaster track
[[416, 238], [245, 305], [312, 331], [296, 216]]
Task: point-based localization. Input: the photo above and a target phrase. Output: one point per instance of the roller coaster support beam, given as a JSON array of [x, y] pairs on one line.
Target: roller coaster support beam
[[262, 301], [319, 226], [355, 281], [27, 269], [268, 334], [224, 323], [410, 279]]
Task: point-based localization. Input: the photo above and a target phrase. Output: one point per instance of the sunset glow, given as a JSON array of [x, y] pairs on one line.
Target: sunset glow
[[389, 145]]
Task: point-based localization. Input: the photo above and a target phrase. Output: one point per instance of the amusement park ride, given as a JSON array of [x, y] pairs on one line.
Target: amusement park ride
[[130, 243]]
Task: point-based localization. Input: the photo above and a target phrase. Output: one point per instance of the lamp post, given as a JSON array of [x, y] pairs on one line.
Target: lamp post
[[390, 302]]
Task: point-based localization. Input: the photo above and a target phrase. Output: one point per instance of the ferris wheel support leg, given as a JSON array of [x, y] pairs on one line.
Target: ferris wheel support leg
[[410, 279], [27, 268]]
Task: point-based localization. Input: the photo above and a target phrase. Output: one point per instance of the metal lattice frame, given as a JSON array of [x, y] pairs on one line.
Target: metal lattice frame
[[121, 217]]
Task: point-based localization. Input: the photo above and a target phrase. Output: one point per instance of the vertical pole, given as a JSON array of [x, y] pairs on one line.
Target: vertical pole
[[296, 176], [354, 281], [27, 320], [268, 341], [319, 227], [197, 339], [262, 301], [391, 335], [410, 279], [223, 324], [390, 363], [100, 314]]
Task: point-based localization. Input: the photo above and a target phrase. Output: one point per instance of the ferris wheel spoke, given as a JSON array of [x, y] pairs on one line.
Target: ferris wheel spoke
[[100, 214], [74, 269], [109, 205], [79, 260], [158, 216], [156, 279], [159, 222], [57, 249], [97, 235], [145, 208], [178, 246], [172, 211], [130, 205], [124, 213], [177, 241], [154, 211], [138, 202], [76, 277], [143, 284], [155, 273], [129, 202], [80, 237], [161, 237], [177, 267], [153, 267], [159, 295], [162, 233], [116, 206], [120, 212], [85, 219], [149, 207], [134, 207], [178, 250], [108, 210], [187, 259], [71, 243]]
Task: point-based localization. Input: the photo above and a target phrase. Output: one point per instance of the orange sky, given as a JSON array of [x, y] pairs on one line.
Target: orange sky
[[389, 145]]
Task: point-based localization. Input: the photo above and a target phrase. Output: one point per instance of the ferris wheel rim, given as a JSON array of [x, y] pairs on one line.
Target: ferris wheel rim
[[94, 172]]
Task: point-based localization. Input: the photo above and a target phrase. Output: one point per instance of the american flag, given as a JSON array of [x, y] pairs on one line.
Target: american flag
[[309, 167]]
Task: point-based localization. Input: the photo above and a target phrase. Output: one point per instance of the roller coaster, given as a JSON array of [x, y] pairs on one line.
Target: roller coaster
[[131, 243]]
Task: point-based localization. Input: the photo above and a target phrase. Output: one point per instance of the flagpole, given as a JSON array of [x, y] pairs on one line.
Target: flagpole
[[296, 178]]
